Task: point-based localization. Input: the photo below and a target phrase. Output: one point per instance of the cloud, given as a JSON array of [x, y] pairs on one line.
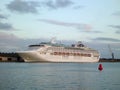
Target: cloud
[[115, 26], [28, 6], [6, 26], [55, 4], [2, 16], [92, 31], [9, 42], [117, 32], [3, 25], [67, 24], [104, 39], [23, 6], [7, 36], [116, 13], [78, 7]]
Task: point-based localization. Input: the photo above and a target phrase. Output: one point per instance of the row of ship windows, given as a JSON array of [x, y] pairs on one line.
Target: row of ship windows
[[62, 50], [72, 54]]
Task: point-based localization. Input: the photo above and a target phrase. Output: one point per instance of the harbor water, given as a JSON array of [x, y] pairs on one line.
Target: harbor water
[[59, 76]]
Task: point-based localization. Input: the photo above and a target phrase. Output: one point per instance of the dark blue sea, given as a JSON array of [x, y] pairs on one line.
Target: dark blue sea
[[59, 76]]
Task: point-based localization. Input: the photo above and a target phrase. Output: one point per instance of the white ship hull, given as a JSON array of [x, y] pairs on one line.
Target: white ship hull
[[33, 56]]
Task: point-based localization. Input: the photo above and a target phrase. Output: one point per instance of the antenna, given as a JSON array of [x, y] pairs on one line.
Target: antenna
[[112, 54]]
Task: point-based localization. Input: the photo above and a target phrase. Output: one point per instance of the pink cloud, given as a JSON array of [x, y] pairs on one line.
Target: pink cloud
[[80, 26]]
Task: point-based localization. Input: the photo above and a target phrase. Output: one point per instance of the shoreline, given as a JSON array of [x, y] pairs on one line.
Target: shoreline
[[14, 57], [109, 60]]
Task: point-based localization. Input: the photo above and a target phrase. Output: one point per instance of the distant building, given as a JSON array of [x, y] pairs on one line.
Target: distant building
[[10, 57]]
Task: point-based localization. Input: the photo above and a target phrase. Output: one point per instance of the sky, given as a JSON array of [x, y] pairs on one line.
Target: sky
[[94, 22]]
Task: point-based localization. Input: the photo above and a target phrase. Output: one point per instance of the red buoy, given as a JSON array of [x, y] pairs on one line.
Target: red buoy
[[100, 67]]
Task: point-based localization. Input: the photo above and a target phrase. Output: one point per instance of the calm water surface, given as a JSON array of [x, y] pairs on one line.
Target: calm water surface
[[59, 76]]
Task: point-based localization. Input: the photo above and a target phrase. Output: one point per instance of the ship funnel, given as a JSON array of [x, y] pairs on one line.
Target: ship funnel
[[79, 44]]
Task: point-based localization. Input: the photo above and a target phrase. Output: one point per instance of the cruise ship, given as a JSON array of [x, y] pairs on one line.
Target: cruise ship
[[55, 52]]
